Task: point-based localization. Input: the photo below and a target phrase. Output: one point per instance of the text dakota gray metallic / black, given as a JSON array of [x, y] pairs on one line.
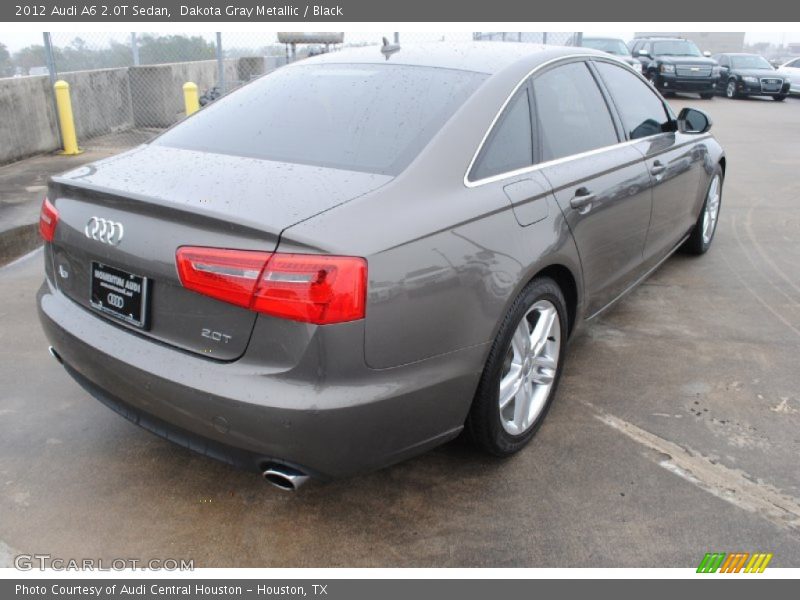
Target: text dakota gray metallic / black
[[356, 257]]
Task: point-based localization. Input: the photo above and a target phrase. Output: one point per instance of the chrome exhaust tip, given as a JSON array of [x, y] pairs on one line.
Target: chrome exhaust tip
[[55, 354], [285, 478]]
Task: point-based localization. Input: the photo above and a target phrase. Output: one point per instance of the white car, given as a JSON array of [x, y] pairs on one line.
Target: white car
[[793, 69]]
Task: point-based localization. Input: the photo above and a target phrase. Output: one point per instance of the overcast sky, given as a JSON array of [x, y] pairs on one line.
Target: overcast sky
[[15, 40]]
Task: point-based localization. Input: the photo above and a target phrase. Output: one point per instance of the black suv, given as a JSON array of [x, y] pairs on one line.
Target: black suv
[[676, 65]]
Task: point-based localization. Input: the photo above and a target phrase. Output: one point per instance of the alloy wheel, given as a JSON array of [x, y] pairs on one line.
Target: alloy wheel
[[712, 210], [530, 367]]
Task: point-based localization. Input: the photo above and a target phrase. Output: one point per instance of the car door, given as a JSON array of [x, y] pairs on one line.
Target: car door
[[724, 67], [674, 160], [601, 186], [793, 70]]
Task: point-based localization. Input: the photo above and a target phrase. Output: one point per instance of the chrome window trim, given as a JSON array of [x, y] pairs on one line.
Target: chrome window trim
[[532, 168]]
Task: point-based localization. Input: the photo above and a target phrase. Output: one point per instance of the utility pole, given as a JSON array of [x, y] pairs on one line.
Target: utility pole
[[135, 49], [51, 70], [220, 64]]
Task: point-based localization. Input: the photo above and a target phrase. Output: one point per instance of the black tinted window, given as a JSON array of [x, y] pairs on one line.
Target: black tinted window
[[373, 118], [641, 110], [509, 145], [572, 114]]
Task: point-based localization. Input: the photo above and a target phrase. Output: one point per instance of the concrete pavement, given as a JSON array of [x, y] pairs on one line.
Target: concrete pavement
[[675, 431], [24, 183]]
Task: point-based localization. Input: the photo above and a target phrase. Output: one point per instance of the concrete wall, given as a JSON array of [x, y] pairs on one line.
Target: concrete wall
[[101, 101], [27, 118], [157, 90], [106, 101]]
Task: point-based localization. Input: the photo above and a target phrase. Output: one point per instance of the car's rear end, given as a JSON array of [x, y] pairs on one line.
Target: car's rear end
[[173, 295]]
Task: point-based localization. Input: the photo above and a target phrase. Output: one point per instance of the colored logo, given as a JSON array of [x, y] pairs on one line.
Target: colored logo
[[736, 562]]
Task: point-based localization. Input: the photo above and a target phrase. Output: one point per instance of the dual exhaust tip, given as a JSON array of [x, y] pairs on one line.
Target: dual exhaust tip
[[285, 478], [281, 476]]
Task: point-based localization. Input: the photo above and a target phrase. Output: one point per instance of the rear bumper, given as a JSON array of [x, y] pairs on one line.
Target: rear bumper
[[329, 416]]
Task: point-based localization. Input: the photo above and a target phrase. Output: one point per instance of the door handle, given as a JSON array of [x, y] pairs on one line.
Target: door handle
[[658, 168], [582, 201]]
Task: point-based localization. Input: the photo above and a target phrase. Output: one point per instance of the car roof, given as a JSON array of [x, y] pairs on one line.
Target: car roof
[[660, 38], [600, 37], [481, 57]]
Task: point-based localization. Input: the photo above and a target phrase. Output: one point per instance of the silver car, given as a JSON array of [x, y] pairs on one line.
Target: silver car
[[361, 255]]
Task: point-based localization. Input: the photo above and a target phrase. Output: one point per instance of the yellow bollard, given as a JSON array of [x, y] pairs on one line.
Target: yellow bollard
[[190, 98], [66, 119]]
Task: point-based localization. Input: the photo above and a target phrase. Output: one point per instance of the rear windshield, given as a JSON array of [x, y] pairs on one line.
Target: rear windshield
[[372, 118]]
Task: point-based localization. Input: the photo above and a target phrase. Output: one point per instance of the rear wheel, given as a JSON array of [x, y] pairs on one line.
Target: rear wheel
[[779, 97], [703, 232], [707, 96], [522, 371]]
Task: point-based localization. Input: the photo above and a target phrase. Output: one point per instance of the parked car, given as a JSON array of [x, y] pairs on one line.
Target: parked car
[[355, 258], [792, 69], [751, 75], [613, 46], [676, 65]]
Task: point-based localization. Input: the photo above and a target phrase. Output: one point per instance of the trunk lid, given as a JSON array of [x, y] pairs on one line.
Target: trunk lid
[[165, 198]]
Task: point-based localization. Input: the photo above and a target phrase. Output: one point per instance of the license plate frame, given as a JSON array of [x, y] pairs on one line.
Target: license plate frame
[[120, 294]]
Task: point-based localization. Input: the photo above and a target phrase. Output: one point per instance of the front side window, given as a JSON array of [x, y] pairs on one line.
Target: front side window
[[571, 112], [358, 117], [509, 145], [641, 111]]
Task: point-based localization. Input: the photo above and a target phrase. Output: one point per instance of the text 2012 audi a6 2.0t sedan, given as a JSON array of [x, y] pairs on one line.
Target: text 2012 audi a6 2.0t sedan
[[358, 256]]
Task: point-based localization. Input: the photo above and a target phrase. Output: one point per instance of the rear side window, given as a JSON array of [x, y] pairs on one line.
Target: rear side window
[[572, 114], [358, 117], [509, 145], [640, 109]]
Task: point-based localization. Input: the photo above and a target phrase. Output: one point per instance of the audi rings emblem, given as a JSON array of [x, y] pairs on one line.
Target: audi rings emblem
[[104, 230]]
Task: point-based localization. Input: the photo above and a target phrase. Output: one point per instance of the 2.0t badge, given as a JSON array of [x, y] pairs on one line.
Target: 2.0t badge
[[104, 230]]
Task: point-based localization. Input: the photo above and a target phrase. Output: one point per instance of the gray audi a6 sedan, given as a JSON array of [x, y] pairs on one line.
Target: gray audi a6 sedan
[[356, 257]]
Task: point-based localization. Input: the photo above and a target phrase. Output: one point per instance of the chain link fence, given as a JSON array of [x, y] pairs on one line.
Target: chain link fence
[[126, 88]]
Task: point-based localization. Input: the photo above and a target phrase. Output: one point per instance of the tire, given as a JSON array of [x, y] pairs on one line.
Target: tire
[[779, 97], [730, 89], [706, 96], [700, 238], [496, 430]]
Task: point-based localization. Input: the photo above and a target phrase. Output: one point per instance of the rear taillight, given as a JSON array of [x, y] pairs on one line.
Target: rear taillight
[[48, 219], [312, 288]]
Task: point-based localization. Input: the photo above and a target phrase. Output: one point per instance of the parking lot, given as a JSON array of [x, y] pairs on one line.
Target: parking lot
[[676, 430]]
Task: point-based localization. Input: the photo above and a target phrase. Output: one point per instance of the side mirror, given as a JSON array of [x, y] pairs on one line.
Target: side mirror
[[692, 120], [707, 54]]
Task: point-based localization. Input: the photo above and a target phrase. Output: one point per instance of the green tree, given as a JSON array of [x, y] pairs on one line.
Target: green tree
[[174, 48], [31, 56], [6, 67]]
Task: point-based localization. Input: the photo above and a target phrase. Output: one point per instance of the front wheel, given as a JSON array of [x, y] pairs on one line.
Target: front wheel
[[522, 371], [730, 90], [779, 97], [706, 226]]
